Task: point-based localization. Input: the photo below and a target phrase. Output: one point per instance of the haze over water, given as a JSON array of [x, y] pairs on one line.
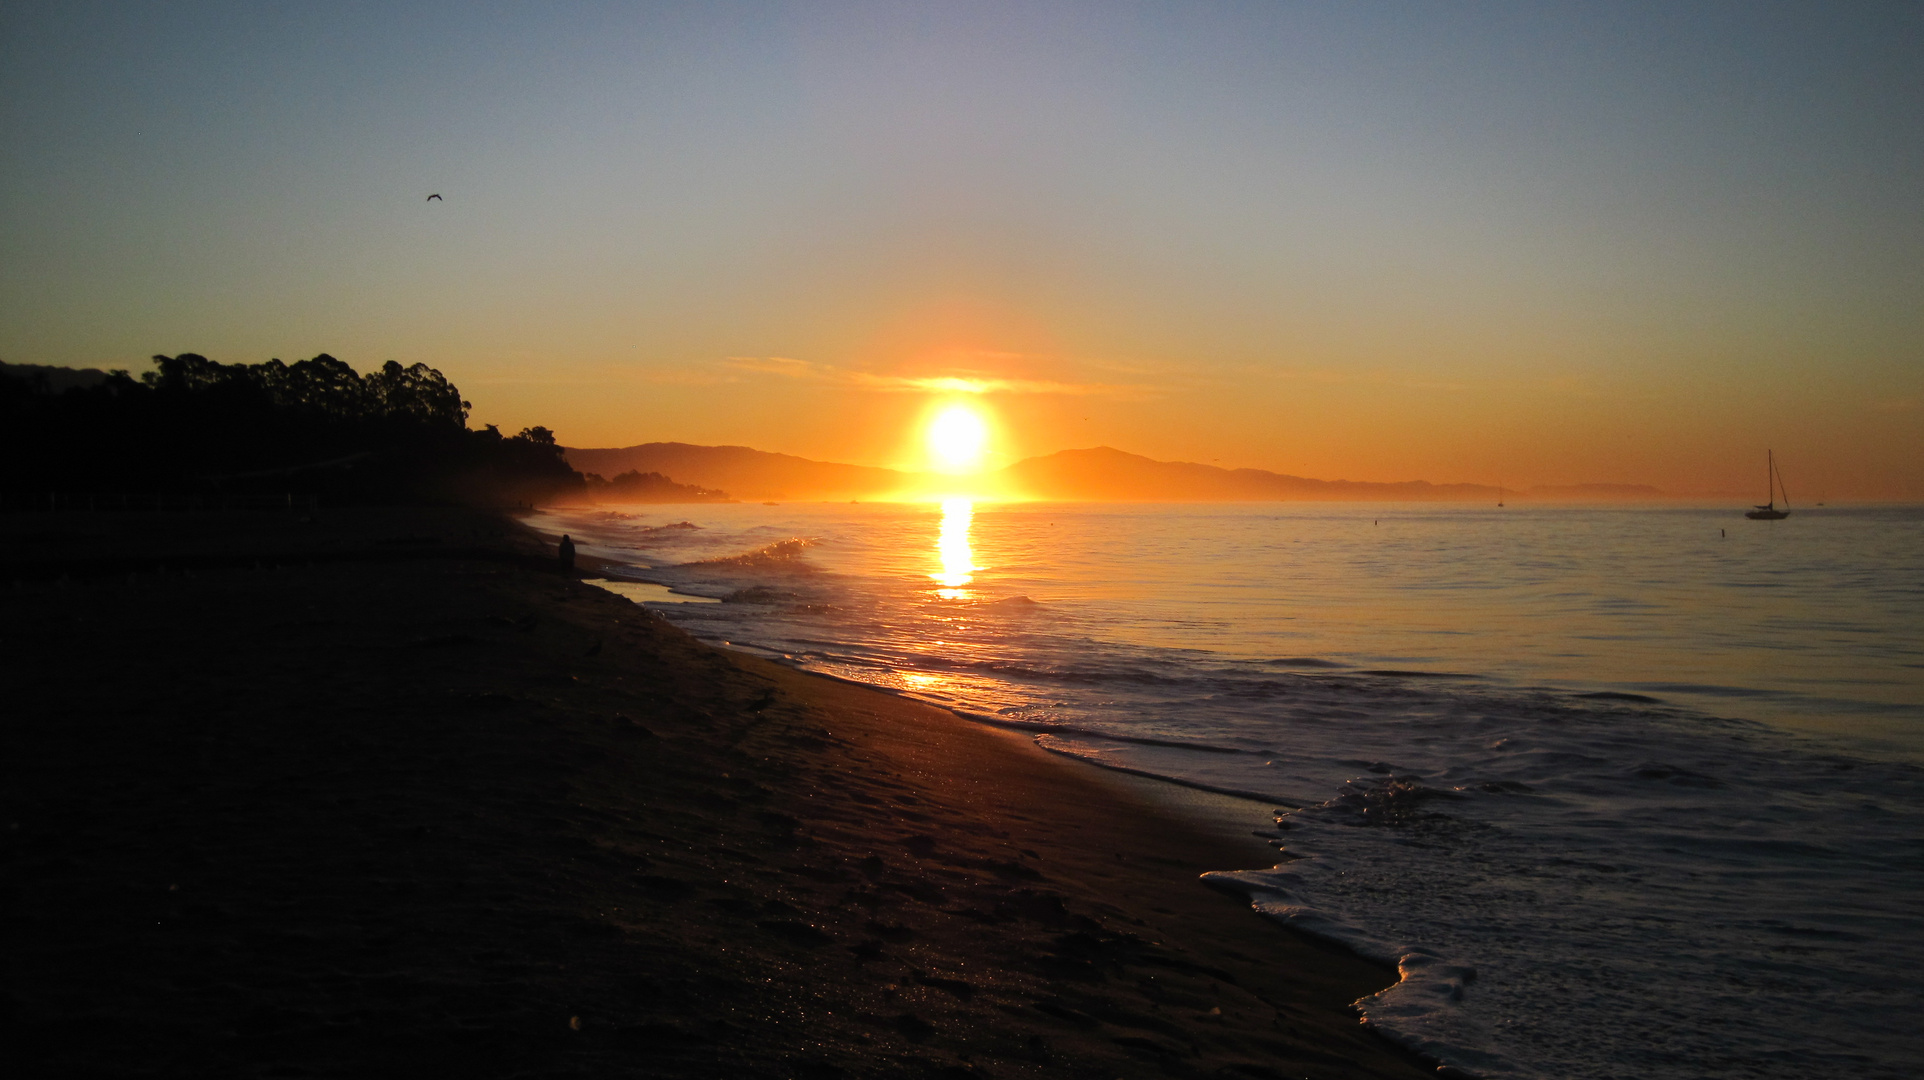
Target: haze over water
[[1666, 806]]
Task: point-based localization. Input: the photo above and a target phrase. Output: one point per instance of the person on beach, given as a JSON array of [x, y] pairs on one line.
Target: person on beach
[[567, 552]]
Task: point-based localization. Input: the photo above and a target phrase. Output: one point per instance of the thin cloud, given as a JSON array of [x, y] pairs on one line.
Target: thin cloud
[[606, 375], [920, 384], [1336, 377]]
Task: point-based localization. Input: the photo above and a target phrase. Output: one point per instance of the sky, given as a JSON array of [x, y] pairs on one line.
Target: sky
[[1529, 243]]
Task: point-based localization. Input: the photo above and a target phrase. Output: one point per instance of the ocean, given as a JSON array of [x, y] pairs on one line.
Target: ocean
[[1622, 791]]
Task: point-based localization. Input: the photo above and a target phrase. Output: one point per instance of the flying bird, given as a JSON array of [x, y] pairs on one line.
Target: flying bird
[[433, 197]]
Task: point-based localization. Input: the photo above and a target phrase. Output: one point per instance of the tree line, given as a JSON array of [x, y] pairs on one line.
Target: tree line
[[314, 427], [637, 486]]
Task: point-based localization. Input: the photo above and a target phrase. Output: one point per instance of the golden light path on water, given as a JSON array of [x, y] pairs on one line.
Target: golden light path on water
[[952, 550]]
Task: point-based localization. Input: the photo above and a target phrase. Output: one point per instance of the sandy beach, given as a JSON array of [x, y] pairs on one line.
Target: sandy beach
[[384, 791]]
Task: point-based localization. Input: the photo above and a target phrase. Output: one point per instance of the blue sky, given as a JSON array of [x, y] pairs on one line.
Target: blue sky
[[1534, 242]]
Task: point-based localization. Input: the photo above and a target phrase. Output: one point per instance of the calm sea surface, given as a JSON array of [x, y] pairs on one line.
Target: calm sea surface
[[1623, 791]]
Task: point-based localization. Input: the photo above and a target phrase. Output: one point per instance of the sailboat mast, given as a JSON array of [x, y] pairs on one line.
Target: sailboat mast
[[1773, 486]]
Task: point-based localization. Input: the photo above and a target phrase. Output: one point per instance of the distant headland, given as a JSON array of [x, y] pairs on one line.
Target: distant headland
[[1096, 474]]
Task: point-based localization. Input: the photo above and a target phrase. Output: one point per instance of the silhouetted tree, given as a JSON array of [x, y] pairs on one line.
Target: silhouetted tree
[[637, 486], [397, 433]]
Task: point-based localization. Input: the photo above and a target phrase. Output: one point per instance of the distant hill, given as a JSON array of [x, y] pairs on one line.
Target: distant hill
[[1107, 474], [746, 473], [1100, 474], [57, 378]]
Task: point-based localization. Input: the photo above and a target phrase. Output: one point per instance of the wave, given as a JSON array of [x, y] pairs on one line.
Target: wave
[[1056, 746], [1613, 695], [782, 556], [1420, 1011], [1018, 602], [761, 594]]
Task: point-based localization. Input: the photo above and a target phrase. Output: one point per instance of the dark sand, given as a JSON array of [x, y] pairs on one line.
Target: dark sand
[[398, 800]]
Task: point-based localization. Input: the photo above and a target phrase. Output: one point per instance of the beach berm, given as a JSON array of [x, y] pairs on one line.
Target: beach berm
[[357, 793]]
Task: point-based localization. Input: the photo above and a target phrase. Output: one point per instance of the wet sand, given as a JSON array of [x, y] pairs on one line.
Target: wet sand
[[380, 792]]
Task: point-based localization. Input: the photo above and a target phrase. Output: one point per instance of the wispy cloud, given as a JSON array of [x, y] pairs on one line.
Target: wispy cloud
[[603, 375], [922, 384], [1337, 377]]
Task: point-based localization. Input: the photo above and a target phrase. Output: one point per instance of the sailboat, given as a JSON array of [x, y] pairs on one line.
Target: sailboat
[[1769, 511]]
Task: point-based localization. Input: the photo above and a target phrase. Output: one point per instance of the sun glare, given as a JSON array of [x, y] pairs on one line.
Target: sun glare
[[952, 550], [958, 438]]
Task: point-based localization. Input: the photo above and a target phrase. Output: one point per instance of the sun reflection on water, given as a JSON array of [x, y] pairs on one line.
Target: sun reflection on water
[[952, 550]]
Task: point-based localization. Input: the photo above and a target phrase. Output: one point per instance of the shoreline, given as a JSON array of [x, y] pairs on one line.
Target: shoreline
[[1170, 795], [1033, 730], [342, 813], [1179, 798]]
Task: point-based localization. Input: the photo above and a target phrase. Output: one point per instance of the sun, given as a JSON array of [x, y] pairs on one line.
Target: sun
[[958, 438]]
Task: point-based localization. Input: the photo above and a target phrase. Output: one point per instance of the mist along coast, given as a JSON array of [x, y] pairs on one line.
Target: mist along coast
[[364, 791]]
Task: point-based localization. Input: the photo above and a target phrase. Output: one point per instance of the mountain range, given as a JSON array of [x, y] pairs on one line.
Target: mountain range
[[745, 473], [1099, 473]]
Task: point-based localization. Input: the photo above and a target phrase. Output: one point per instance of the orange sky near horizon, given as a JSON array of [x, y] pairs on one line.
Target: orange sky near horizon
[[1462, 243], [1685, 430]]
